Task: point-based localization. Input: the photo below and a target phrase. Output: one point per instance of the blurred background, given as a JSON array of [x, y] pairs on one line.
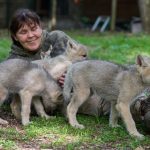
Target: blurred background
[[94, 15], [112, 30]]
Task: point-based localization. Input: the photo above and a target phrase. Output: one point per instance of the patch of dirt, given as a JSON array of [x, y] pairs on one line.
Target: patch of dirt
[[10, 118], [34, 144]]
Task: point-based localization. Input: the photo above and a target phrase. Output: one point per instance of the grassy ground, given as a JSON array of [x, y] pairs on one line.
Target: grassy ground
[[56, 133]]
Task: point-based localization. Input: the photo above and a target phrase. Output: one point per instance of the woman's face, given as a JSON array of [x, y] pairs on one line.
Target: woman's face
[[29, 36]]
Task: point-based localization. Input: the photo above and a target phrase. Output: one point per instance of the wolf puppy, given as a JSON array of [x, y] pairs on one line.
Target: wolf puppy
[[117, 84], [28, 80], [56, 67]]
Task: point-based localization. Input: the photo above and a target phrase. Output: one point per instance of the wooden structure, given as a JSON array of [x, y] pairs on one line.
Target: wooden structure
[[126, 9], [90, 9], [7, 7]]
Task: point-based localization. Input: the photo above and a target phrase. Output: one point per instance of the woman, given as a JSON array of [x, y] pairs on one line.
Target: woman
[[29, 40]]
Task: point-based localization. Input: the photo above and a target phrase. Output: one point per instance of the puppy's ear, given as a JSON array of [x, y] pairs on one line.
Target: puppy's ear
[[42, 54], [45, 55], [140, 61], [71, 46]]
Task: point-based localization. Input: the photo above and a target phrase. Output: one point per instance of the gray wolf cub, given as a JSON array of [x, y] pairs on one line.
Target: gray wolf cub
[[56, 67], [117, 84], [28, 80]]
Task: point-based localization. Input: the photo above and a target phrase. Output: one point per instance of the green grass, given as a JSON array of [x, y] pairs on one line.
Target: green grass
[[120, 48], [5, 44], [57, 133]]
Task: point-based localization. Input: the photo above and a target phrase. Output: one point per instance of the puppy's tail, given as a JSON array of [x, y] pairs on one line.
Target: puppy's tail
[[68, 86]]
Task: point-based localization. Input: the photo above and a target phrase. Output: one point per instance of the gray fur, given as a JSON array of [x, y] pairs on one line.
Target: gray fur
[[56, 67], [28, 80], [115, 83]]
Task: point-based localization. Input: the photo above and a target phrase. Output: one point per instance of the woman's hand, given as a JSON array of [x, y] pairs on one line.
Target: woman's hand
[[61, 80]]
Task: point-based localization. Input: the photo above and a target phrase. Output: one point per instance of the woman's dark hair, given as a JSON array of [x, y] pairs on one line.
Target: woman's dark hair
[[21, 17]]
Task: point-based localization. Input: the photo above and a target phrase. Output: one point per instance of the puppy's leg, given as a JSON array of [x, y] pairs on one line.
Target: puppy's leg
[[114, 115], [39, 107], [78, 98], [2, 121], [16, 106], [3, 95], [123, 107], [26, 98]]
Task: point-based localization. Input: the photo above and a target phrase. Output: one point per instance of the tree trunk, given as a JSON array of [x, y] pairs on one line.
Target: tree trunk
[[52, 22], [144, 6], [113, 15]]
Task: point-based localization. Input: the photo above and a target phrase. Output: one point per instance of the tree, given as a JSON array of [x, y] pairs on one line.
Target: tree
[[113, 14], [144, 6], [52, 22]]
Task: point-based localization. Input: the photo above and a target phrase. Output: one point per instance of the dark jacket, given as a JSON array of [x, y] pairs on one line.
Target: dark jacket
[[56, 39]]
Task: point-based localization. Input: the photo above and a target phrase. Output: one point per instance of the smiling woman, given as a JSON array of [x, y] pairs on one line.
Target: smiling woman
[[29, 36], [26, 29], [29, 39]]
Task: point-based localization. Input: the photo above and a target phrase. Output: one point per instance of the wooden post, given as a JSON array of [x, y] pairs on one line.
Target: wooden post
[[144, 6], [52, 22], [113, 14]]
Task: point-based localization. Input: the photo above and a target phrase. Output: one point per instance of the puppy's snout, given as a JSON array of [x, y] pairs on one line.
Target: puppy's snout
[[84, 56], [60, 98]]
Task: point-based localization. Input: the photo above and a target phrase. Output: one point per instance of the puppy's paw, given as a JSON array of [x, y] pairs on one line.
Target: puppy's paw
[[51, 117], [79, 126], [47, 116], [25, 123], [138, 136], [3, 122]]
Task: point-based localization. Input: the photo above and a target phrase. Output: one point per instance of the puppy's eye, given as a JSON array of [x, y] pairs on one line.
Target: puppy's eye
[[83, 55], [144, 67]]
